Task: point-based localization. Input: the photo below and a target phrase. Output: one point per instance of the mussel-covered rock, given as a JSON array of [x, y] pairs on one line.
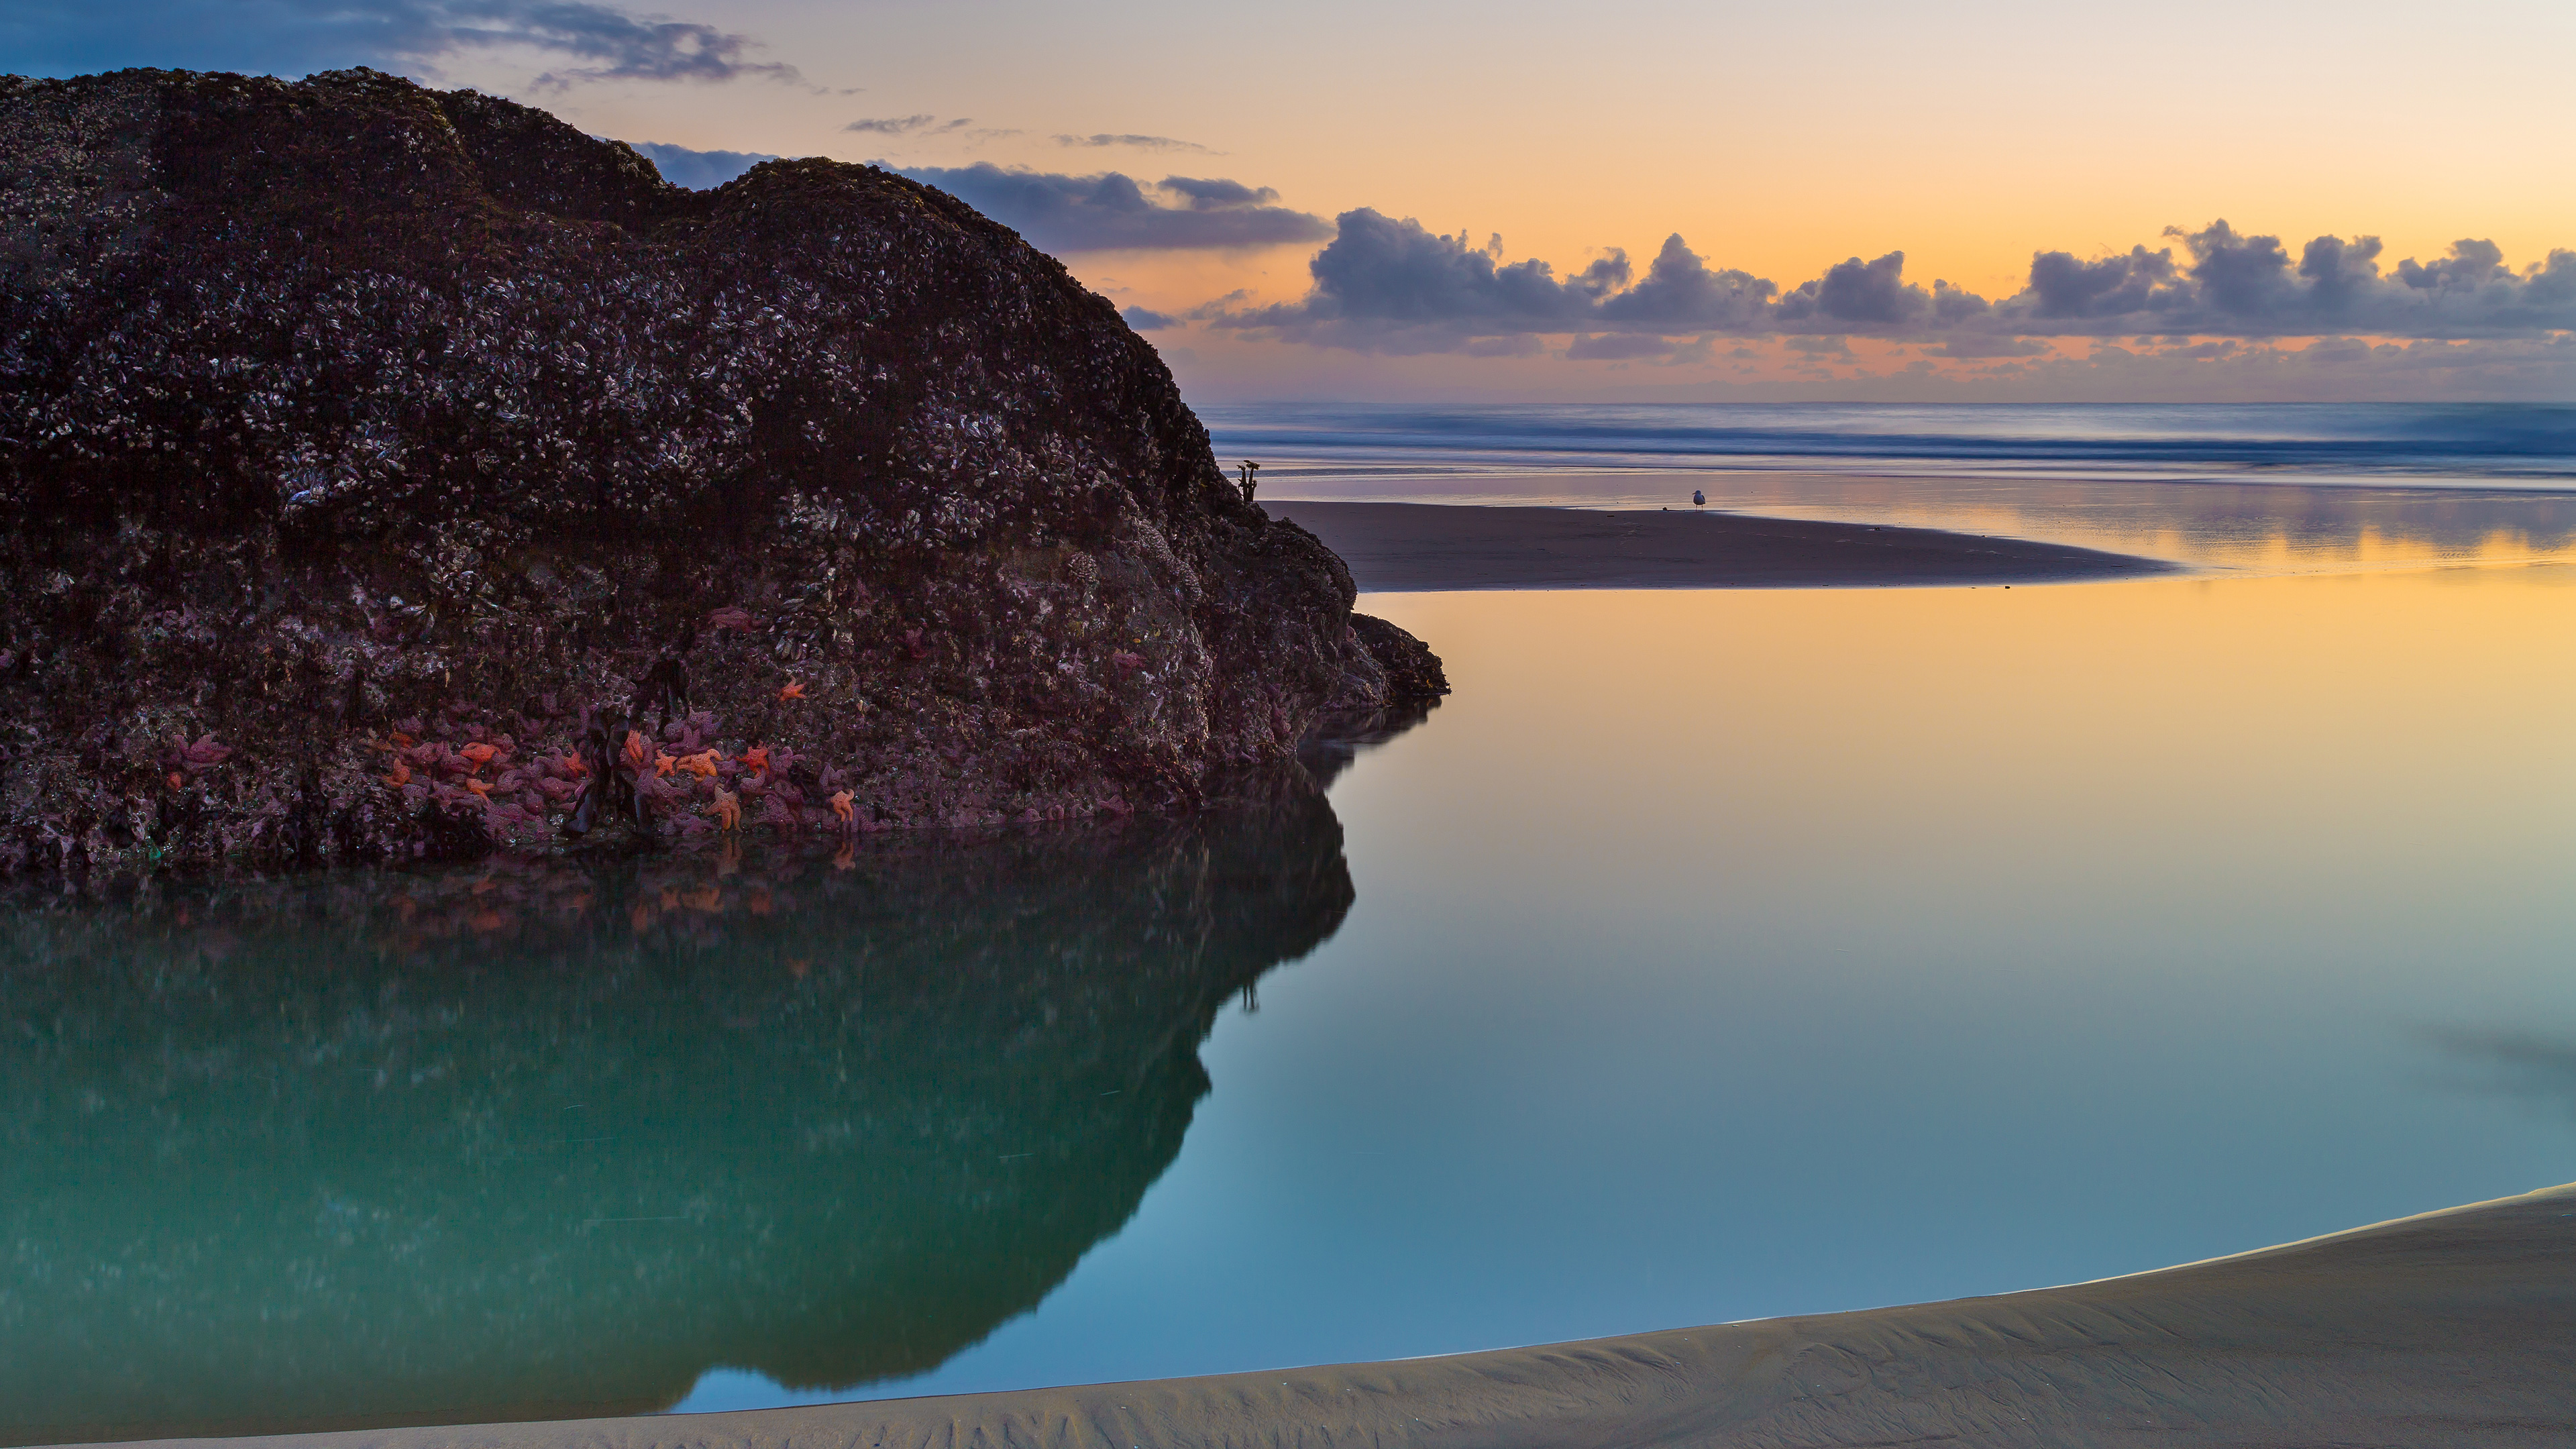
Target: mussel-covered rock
[[386, 472]]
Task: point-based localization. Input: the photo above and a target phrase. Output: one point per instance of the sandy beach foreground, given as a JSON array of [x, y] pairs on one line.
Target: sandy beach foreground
[[2454, 1328], [1400, 547]]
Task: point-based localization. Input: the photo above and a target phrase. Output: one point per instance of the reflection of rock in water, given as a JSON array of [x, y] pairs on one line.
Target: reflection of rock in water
[[1340, 739], [372, 1148]]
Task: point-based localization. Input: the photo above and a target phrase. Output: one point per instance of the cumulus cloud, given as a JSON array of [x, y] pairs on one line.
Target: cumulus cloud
[[1395, 286], [698, 170], [2251, 286], [1113, 211], [2114, 286], [1680, 291], [1858, 291], [290, 37], [1217, 194], [1388, 285], [1141, 143], [1146, 319], [2472, 263]]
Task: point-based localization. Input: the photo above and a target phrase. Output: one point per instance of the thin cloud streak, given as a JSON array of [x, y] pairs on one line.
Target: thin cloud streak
[[1142, 143], [908, 125]]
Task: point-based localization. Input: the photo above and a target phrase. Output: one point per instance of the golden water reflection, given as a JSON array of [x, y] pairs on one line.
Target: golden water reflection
[[2240, 527], [1739, 953]]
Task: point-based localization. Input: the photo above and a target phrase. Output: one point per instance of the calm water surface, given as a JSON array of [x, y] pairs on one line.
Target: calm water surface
[[2526, 445], [1706, 956], [2269, 488]]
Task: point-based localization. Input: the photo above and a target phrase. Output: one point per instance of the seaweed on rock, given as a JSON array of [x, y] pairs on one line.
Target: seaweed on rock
[[346, 418]]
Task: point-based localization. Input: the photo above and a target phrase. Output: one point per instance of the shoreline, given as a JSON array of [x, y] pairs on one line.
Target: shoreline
[[1291, 473], [1437, 547], [2449, 1325]]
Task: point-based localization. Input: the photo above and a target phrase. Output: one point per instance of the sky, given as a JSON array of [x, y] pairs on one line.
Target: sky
[[1631, 200]]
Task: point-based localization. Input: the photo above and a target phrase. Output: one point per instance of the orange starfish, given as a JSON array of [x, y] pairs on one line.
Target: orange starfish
[[728, 810], [478, 754], [177, 781], [404, 740], [702, 764], [479, 788], [790, 690], [662, 764], [401, 774], [756, 759], [575, 766], [637, 752], [841, 808]]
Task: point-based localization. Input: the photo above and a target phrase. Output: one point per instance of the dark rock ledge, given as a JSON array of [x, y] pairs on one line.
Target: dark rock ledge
[[363, 446]]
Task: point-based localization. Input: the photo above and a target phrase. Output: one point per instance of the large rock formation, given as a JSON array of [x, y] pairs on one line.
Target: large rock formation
[[362, 446]]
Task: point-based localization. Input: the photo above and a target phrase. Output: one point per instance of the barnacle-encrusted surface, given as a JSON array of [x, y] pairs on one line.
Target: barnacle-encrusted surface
[[343, 408]]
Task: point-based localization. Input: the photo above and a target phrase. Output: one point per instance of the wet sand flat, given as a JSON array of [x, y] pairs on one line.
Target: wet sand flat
[[2454, 1328], [1406, 547]]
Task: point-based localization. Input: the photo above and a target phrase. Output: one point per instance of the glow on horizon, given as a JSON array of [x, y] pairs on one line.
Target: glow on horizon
[[1776, 139], [1216, 369]]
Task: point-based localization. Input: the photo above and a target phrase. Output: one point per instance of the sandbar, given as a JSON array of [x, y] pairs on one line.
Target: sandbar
[[1409, 547], [2455, 1328]]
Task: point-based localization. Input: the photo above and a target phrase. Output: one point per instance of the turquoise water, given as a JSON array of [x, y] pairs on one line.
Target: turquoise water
[[1705, 956], [1730, 955], [536, 1139]]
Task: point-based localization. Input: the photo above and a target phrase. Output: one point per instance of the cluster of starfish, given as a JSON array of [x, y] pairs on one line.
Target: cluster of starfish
[[482, 772]]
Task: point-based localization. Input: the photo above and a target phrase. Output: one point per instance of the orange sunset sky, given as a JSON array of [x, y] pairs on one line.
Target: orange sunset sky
[[1775, 141]]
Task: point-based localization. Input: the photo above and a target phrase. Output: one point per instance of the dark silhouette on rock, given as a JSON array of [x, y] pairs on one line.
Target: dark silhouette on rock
[[348, 428]]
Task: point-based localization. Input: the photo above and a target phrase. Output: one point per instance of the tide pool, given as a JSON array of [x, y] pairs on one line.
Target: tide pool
[[1705, 956]]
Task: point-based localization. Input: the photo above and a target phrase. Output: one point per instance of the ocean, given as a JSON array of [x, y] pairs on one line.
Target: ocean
[[2235, 488], [2425, 445]]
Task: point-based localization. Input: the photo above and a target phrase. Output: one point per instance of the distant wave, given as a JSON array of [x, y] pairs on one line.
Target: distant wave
[[2498, 445]]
